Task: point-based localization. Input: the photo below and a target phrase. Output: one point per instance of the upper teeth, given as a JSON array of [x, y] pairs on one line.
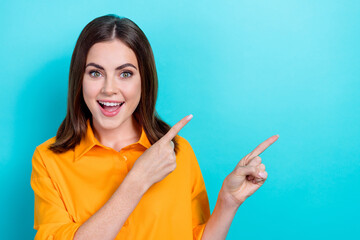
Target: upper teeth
[[110, 103]]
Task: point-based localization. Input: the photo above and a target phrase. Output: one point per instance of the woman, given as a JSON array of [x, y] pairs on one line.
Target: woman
[[115, 170]]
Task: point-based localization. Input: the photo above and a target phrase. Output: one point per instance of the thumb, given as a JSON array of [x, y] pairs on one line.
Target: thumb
[[247, 170]]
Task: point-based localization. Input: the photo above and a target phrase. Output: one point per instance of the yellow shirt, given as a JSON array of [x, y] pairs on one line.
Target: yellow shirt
[[70, 187]]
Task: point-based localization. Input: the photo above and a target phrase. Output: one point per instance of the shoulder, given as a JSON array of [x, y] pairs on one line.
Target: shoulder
[[44, 147], [184, 146], [187, 154], [43, 155], [47, 143], [39, 157], [45, 161], [183, 143]]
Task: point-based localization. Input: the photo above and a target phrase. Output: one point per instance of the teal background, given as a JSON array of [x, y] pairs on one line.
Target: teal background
[[246, 70]]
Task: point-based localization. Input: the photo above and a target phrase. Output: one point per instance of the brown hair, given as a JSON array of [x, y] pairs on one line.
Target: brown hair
[[106, 28]]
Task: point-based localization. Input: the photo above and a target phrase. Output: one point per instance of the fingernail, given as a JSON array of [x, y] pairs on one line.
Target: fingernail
[[277, 135], [189, 117], [262, 174]]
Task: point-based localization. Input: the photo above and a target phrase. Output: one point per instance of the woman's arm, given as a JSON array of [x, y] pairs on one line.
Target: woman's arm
[[218, 225], [247, 177], [152, 166], [109, 219]]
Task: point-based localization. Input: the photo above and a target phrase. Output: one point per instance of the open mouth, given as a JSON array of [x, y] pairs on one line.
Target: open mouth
[[110, 106]]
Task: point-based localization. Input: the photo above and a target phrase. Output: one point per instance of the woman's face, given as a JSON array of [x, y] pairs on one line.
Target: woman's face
[[111, 83]]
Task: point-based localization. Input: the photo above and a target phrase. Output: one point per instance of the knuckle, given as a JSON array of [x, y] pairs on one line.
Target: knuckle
[[170, 151], [173, 166], [239, 170], [253, 170], [171, 159]]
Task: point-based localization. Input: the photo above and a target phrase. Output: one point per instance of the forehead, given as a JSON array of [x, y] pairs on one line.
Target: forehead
[[111, 53]]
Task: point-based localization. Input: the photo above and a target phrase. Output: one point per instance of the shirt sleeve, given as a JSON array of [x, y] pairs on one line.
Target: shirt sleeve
[[51, 219], [199, 198]]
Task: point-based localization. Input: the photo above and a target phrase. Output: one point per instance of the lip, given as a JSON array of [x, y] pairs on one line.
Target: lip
[[112, 101], [110, 114]]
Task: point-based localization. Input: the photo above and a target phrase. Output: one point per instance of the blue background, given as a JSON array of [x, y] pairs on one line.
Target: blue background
[[246, 70]]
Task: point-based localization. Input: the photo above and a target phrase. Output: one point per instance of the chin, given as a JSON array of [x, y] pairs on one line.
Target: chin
[[109, 123]]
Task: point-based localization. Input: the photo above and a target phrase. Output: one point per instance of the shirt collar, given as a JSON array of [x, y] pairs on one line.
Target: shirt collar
[[89, 141]]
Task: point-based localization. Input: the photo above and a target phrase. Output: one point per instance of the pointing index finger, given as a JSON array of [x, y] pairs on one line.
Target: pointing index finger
[[264, 145], [176, 128]]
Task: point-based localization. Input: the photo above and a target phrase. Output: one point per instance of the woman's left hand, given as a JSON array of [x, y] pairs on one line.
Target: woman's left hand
[[247, 177]]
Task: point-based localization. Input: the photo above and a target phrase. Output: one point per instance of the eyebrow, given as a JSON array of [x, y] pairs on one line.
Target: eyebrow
[[118, 68]]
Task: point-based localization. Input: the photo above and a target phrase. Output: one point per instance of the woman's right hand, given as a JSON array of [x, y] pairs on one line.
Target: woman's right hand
[[158, 160]]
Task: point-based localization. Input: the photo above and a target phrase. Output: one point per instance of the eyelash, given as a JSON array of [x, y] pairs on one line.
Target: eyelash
[[95, 71]]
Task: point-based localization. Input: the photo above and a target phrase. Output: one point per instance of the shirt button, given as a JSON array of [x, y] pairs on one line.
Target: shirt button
[[125, 158]]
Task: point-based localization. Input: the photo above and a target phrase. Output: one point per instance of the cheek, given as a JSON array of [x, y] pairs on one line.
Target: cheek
[[134, 92], [89, 90], [89, 94]]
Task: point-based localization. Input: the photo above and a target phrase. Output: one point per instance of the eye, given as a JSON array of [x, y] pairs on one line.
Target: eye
[[97, 73], [126, 74]]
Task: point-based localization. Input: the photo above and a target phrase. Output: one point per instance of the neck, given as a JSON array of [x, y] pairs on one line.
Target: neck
[[127, 133]]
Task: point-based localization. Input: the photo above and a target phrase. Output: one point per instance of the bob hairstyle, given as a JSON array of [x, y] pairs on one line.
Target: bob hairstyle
[[101, 29]]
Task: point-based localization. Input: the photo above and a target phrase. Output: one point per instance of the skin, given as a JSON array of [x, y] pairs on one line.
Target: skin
[[247, 177], [159, 160], [110, 84]]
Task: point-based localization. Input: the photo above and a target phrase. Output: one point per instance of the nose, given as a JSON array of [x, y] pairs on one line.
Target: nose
[[109, 87]]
